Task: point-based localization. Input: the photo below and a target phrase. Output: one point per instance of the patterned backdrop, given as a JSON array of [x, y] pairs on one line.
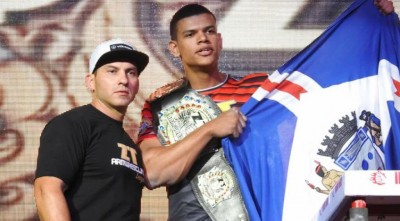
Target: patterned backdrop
[[45, 46]]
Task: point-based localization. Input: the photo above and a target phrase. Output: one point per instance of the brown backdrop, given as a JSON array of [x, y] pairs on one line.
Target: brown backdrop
[[44, 51]]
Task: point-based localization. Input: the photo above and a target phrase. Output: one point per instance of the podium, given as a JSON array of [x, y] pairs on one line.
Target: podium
[[379, 189]]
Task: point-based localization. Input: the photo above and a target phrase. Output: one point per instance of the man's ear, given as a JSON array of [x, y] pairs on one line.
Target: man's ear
[[220, 41], [173, 49], [89, 82]]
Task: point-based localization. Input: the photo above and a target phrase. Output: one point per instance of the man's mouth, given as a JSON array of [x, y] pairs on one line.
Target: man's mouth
[[205, 51]]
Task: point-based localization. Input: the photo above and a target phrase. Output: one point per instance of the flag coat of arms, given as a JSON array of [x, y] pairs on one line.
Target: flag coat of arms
[[333, 107]]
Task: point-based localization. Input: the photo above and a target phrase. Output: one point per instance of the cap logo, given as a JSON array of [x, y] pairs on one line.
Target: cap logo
[[120, 47]]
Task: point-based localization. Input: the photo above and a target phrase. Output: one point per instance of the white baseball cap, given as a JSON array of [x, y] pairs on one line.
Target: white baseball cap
[[115, 50]]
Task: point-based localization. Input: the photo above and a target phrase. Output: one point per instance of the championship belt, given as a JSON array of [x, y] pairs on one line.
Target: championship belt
[[214, 183], [179, 117]]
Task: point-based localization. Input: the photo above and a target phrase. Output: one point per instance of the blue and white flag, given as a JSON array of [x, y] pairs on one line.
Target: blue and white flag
[[333, 107]]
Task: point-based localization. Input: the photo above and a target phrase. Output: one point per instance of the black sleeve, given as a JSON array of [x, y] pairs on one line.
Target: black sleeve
[[61, 150]]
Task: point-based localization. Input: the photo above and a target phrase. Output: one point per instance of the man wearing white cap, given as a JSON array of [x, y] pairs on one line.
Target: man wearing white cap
[[88, 167]]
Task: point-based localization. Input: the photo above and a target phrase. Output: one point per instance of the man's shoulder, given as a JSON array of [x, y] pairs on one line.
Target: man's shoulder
[[76, 114], [249, 78], [77, 111], [167, 89]]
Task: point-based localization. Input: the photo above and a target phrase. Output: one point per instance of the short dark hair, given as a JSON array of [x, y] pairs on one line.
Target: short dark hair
[[184, 12]]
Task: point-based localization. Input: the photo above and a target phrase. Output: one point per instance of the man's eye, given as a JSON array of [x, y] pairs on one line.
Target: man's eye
[[132, 73]]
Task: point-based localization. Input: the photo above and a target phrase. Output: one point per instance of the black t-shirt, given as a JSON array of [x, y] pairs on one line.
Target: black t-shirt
[[97, 160]]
